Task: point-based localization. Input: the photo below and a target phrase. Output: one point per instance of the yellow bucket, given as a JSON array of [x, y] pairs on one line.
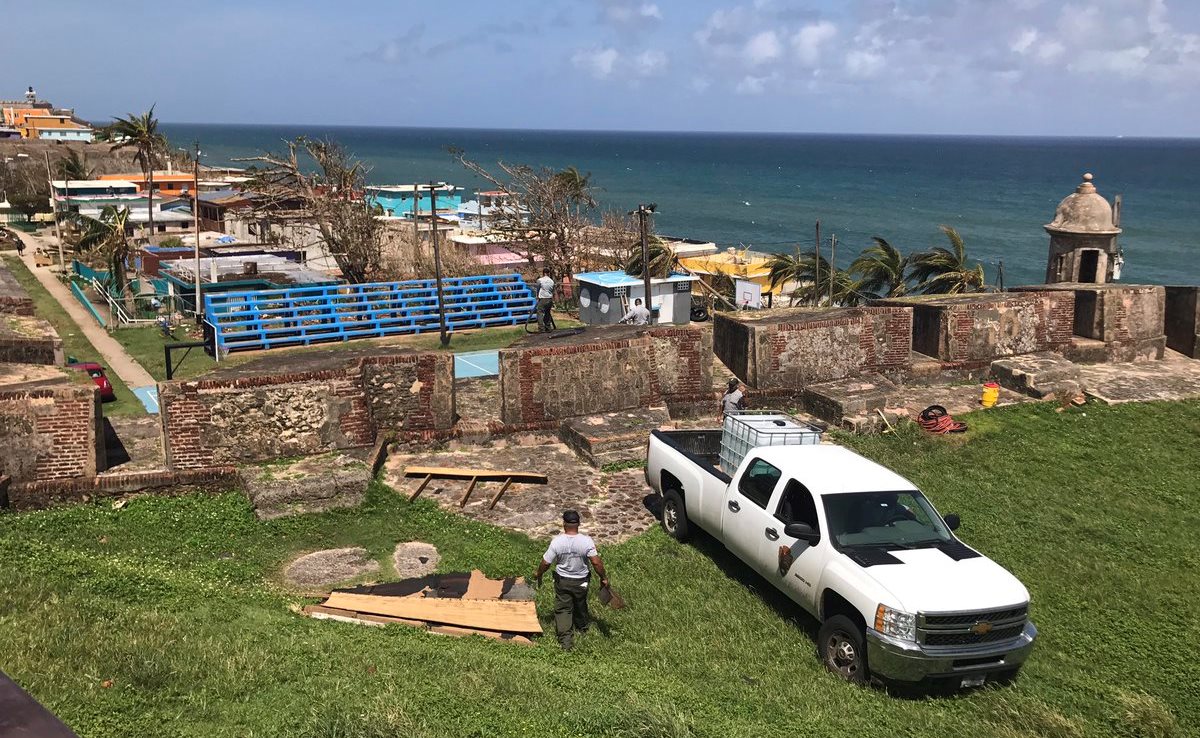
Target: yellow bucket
[[991, 393]]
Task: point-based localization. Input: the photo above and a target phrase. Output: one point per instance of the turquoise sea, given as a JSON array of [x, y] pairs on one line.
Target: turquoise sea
[[766, 191]]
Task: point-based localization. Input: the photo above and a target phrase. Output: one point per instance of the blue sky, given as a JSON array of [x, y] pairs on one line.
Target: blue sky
[[1104, 67]]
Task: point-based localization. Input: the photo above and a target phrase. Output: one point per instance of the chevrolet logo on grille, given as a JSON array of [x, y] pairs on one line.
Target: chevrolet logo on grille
[[982, 627]]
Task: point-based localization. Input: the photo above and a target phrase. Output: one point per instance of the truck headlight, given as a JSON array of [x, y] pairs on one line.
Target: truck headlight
[[896, 623]]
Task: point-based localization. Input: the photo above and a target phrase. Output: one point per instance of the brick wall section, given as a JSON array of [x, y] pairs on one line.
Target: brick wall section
[[237, 420], [786, 350], [545, 383], [51, 434]]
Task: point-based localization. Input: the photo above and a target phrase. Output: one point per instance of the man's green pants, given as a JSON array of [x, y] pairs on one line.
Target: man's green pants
[[570, 608]]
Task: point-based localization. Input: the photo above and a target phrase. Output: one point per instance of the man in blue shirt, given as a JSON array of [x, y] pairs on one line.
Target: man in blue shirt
[[570, 552]]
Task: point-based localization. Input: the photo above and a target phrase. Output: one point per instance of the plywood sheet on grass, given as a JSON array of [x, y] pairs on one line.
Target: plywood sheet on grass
[[500, 615]]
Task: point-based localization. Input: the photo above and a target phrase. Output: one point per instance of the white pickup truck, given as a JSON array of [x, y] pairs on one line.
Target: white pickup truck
[[900, 599]]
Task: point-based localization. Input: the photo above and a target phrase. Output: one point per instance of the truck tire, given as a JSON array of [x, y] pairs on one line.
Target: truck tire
[[843, 649], [674, 515]]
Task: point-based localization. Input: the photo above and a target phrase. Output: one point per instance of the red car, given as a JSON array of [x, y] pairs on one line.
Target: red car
[[96, 372]]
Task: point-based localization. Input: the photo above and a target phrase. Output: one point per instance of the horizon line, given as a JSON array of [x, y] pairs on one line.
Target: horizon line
[[664, 131]]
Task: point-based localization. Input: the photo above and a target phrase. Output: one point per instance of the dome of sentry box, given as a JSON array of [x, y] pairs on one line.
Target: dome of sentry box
[[1084, 211]]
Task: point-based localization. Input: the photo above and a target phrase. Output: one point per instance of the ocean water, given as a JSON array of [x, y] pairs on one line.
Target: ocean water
[[766, 191]]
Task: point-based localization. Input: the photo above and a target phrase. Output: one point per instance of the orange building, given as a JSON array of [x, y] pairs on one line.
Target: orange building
[[165, 183]]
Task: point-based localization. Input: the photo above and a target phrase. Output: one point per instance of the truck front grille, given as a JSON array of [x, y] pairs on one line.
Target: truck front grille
[[971, 628]]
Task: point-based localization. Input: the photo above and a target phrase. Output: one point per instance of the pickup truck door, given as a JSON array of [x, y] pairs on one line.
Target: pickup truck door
[[799, 579], [746, 524]]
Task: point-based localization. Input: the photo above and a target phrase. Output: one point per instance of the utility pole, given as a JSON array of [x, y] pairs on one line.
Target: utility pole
[[437, 262], [642, 212], [197, 308], [817, 269], [62, 262], [416, 218], [832, 266]]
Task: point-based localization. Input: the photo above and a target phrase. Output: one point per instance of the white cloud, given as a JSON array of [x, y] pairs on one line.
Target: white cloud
[[620, 13], [751, 85], [762, 48], [1024, 41], [597, 62], [699, 84], [649, 63], [809, 40], [863, 64]]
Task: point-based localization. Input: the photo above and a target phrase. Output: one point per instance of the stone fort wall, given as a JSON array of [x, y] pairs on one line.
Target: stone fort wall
[[51, 433], [258, 416], [606, 370]]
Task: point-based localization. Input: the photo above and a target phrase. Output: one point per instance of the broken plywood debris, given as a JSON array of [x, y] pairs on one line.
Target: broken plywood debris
[[450, 604]]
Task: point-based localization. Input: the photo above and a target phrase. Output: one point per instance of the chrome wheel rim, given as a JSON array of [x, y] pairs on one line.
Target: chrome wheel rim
[[842, 656], [670, 517]]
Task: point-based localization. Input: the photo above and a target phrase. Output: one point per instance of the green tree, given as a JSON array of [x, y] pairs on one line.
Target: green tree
[[74, 165], [107, 236], [140, 132], [945, 271], [881, 270], [812, 274], [662, 258]]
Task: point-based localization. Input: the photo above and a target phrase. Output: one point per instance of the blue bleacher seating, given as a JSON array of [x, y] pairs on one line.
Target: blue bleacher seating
[[261, 319]]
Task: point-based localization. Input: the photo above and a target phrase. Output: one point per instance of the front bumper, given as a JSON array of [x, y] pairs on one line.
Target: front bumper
[[895, 660]]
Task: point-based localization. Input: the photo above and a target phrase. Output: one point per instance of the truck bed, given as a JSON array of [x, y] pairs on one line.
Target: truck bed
[[701, 447]]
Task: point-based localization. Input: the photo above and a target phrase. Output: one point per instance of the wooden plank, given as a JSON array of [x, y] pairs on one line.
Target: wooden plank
[[479, 587], [503, 615], [462, 502], [418, 490], [321, 612], [483, 475], [496, 497], [504, 637]]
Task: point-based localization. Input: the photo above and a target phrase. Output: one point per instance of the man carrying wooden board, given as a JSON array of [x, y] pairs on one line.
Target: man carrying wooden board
[[570, 552]]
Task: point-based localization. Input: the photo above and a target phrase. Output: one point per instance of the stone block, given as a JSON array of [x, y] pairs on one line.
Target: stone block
[[1182, 320], [860, 396], [612, 438], [307, 485], [322, 569], [1037, 375]]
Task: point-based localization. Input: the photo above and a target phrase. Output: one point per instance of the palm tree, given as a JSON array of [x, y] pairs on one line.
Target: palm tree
[[945, 271], [662, 259], [812, 275], [881, 270], [107, 235], [140, 132], [75, 166], [576, 186]]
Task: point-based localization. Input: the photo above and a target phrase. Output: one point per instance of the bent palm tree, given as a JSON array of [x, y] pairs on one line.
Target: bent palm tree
[[945, 271], [75, 166], [881, 270], [107, 235], [661, 256], [812, 275], [140, 132]]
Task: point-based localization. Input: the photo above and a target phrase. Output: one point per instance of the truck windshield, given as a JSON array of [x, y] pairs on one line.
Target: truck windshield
[[887, 519]]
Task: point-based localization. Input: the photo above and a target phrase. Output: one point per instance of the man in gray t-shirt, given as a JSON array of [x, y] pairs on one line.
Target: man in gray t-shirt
[[569, 553]]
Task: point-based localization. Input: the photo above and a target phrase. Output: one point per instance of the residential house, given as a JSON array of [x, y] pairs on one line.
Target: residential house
[[399, 201], [167, 183]]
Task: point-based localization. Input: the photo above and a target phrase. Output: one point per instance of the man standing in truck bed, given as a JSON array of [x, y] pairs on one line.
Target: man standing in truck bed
[[570, 552]]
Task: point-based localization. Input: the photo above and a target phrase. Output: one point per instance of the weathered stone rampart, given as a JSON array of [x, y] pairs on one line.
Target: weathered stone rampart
[[1127, 319], [604, 370], [975, 329], [790, 348], [255, 414], [14, 300], [51, 433], [1182, 322]]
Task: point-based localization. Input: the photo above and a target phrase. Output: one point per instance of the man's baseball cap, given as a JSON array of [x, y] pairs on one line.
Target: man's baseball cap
[[570, 516]]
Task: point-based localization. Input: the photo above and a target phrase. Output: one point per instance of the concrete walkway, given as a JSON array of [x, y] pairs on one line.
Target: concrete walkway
[[114, 355]]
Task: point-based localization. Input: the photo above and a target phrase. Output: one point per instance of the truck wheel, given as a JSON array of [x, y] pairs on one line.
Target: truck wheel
[[674, 515], [842, 648]]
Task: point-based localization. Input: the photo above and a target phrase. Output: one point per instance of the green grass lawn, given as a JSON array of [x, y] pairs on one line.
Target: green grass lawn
[[146, 346], [175, 601], [74, 342]]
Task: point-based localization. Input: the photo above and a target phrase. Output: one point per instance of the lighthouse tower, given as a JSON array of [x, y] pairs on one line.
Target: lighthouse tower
[[1083, 239]]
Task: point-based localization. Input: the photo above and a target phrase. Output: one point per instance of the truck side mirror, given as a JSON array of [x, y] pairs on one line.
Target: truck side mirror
[[952, 521], [802, 531]]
